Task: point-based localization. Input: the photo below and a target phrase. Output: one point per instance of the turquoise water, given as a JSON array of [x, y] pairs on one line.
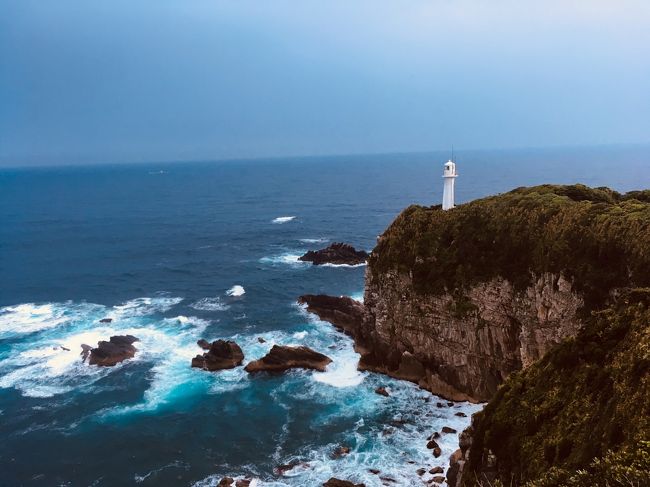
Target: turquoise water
[[178, 252]]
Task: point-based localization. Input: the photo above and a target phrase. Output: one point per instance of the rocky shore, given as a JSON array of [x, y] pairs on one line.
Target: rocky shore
[[337, 253]]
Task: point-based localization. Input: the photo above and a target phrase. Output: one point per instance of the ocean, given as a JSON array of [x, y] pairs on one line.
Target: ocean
[[175, 252]]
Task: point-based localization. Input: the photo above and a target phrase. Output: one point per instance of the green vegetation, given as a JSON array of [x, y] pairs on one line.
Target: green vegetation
[[580, 416], [596, 236]]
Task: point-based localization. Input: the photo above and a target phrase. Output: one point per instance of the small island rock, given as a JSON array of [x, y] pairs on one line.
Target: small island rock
[[109, 353], [337, 253], [221, 355], [282, 358]]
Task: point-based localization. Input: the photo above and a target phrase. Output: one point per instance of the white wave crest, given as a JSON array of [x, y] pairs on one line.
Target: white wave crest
[[29, 318], [329, 264], [314, 240], [287, 258], [282, 219], [236, 290], [144, 306]]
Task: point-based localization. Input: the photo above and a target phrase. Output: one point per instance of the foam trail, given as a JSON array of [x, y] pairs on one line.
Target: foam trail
[[210, 304], [287, 258], [314, 240], [236, 290], [283, 219], [329, 264]]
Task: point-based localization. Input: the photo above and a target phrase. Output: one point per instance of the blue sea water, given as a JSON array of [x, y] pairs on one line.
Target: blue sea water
[[177, 252]]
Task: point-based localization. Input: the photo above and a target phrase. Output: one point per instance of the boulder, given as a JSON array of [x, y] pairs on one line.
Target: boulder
[[204, 344], [109, 353], [334, 482], [382, 391], [439, 479], [432, 444], [221, 355], [106, 320], [460, 415], [437, 452], [282, 358], [436, 470], [283, 469], [340, 451], [447, 429], [343, 312], [226, 482], [337, 253]]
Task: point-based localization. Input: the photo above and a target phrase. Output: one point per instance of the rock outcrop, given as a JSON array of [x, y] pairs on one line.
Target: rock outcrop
[[109, 353], [337, 253], [282, 358], [343, 312], [221, 354], [334, 482]]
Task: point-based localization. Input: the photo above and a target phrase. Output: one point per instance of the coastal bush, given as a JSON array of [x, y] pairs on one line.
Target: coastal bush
[[580, 416], [595, 236]]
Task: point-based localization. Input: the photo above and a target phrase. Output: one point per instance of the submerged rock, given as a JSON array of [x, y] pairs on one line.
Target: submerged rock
[[334, 482], [283, 469], [112, 352], [220, 355], [447, 429], [337, 253], [340, 451], [382, 391], [106, 320], [282, 358]]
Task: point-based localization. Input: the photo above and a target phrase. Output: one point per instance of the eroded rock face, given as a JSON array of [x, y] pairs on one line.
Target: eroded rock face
[[343, 312], [109, 353], [282, 358], [337, 253], [221, 355], [334, 482], [463, 352]]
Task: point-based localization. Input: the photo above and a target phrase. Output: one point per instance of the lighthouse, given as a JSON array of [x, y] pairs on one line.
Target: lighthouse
[[449, 175]]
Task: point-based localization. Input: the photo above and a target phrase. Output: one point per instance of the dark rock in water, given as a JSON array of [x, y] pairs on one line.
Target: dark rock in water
[[282, 469], [85, 351], [261, 340], [439, 405], [461, 415], [374, 471], [282, 358], [337, 253], [421, 471], [439, 479], [106, 320], [437, 452], [447, 429], [64, 348], [343, 312], [432, 444], [114, 351], [434, 436], [340, 451], [450, 404], [204, 344], [226, 482], [243, 483], [382, 391], [436, 470], [334, 482], [221, 355]]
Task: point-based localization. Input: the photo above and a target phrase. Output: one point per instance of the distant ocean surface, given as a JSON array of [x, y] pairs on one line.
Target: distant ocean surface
[[177, 252]]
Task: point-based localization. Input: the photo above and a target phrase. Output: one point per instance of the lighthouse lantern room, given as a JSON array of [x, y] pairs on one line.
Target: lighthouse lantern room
[[449, 175]]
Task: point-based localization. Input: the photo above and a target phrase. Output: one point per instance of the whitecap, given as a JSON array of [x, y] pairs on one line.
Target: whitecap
[[314, 240], [145, 306], [236, 290], [210, 304], [282, 219], [288, 258], [300, 335], [358, 296], [29, 318], [329, 264]]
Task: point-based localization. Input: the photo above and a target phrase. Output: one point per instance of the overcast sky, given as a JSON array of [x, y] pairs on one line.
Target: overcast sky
[[115, 80]]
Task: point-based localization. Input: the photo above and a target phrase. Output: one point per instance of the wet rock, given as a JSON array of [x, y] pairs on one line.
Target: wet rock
[[261, 340], [432, 444], [243, 483], [447, 429], [220, 355], [374, 471], [106, 320], [456, 463], [437, 452], [109, 353], [283, 469], [85, 351], [460, 414], [382, 391], [450, 404], [334, 482], [282, 358], [434, 436], [439, 479], [343, 312], [226, 482], [337, 253], [440, 405], [204, 344], [340, 451], [420, 471], [436, 470]]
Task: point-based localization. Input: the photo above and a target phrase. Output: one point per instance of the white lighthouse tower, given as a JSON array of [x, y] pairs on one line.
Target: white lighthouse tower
[[449, 175]]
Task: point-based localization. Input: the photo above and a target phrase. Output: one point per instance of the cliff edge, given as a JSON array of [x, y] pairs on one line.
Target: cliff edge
[[458, 300]]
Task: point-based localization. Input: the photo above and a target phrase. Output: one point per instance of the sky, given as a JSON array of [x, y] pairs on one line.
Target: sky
[[153, 80]]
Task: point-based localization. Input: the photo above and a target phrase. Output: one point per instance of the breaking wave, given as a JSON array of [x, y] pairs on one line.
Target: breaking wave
[[283, 219]]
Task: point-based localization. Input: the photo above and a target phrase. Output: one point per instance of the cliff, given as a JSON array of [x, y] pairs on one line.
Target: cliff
[[580, 416], [458, 300]]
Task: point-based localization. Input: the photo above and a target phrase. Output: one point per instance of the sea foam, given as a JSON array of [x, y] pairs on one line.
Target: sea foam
[[283, 219], [236, 291]]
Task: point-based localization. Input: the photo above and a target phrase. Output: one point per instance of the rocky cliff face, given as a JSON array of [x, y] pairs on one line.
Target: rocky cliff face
[[458, 300], [464, 350]]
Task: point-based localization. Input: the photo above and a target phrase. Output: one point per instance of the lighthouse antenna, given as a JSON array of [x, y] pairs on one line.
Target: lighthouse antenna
[[452, 152]]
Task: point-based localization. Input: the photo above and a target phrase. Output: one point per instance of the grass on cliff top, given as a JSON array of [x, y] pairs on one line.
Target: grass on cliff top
[[580, 416], [596, 236]]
